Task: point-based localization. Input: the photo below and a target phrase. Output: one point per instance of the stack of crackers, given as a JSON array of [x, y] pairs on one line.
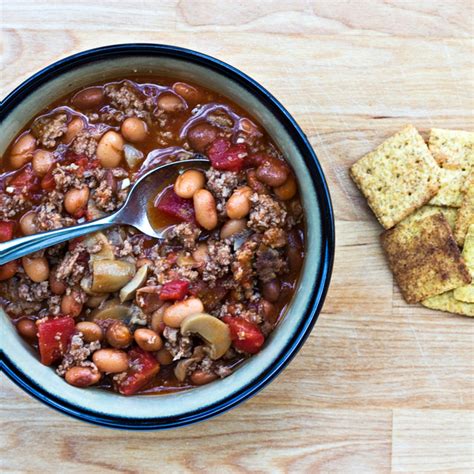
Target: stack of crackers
[[423, 195]]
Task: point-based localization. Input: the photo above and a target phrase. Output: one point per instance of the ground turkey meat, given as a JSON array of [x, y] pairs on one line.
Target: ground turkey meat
[[222, 184], [49, 128], [242, 267], [275, 237], [127, 98], [186, 233], [218, 261], [269, 263], [12, 204], [77, 354], [65, 177], [266, 213], [85, 143], [48, 213], [72, 267], [179, 346]]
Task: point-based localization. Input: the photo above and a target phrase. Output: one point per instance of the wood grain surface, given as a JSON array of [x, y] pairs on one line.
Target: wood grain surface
[[379, 386]]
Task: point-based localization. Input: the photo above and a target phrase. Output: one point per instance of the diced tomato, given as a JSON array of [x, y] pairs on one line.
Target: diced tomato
[[6, 230], [227, 157], [54, 336], [174, 290], [8, 270], [143, 367], [172, 205], [245, 335], [25, 178], [48, 183]]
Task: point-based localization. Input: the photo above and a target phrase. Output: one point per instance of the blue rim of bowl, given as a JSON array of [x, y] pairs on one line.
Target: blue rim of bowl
[[327, 234]]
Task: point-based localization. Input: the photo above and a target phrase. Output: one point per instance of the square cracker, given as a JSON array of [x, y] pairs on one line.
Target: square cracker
[[447, 302], [424, 258], [466, 293], [466, 212], [454, 152], [398, 177], [449, 212]]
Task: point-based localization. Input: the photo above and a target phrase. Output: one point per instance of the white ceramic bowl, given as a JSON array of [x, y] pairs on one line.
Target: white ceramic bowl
[[154, 412]]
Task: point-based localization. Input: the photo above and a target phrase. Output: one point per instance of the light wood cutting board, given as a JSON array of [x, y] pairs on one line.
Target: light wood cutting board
[[379, 386]]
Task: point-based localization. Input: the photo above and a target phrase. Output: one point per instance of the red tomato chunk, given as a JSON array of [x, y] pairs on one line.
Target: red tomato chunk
[[172, 205], [54, 336], [6, 230], [143, 367], [174, 290], [48, 183], [227, 157], [245, 335], [25, 179]]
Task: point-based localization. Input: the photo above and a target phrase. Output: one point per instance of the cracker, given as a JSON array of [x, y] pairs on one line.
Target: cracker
[[450, 213], [424, 258], [454, 152], [447, 302], [466, 212], [466, 293], [398, 177]]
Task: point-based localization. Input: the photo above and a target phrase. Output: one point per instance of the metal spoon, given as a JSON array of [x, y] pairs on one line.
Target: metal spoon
[[133, 212]]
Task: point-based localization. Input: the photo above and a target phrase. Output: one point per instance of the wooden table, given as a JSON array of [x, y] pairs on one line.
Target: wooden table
[[379, 386]]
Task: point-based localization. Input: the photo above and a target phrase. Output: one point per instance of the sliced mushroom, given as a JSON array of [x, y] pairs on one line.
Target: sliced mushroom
[[211, 330], [86, 285], [111, 309], [106, 251], [110, 275], [133, 156], [94, 301], [129, 290], [182, 367]]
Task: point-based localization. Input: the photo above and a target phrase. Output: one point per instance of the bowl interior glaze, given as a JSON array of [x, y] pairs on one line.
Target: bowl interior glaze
[[180, 408]]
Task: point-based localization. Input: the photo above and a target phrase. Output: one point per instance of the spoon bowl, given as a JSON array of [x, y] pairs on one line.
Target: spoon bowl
[[133, 212]]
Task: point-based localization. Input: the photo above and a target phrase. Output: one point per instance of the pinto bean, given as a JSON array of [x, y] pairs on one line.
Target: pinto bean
[[89, 98], [111, 361], [199, 377], [118, 335], [70, 305], [157, 323], [82, 376], [232, 227], [36, 268], [271, 290], [76, 199], [287, 190], [178, 311], [110, 149], [27, 223], [42, 162], [91, 332], [187, 92], [134, 130], [27, 328], [239, 204], [188, 183], [164, 357], [272, 172], [73, 128], [205, 209], [148, 339], [22, 151], [256, 185], [8, 270], [170, 103], [201, 136]]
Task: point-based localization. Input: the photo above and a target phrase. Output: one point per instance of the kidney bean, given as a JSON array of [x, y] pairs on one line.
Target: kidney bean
[[82, 376], [272, 172], [170, 103], [256, 185], [70, 305], [201, 136], [199, 377], [164, 357], [187, 92], [287, 190], [27, 328], [271, 290], [58, 287], [89, 98], [8, 270]]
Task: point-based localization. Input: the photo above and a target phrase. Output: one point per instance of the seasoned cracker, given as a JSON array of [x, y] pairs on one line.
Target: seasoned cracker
[[398, 177], [449, 213], [424, 258], [466, 212], [466, 293], [454, 152], [447, 302]]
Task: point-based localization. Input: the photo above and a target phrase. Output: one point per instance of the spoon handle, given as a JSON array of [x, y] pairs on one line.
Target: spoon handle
[[17, 248]]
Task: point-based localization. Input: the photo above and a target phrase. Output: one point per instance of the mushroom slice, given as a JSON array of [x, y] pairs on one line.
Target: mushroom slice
[[110, 275], [211, 330], [111, 309], [129, 290], [96, 239]]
